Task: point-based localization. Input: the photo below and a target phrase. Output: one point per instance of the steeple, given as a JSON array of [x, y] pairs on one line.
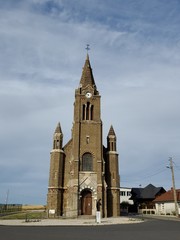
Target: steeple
[[87, 75]]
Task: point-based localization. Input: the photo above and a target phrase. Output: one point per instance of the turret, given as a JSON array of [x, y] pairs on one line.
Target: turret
[[56, 176], [111, 140], [112, 175], [58, 138]]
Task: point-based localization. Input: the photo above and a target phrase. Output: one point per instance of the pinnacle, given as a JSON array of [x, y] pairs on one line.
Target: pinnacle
[[58, 128], [111, 131]]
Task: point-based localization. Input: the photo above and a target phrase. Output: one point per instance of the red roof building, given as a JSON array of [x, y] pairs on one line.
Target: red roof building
[[165, 203], [168, 196]]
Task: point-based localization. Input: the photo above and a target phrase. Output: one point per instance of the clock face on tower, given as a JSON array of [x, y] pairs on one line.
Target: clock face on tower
[[88, 94]]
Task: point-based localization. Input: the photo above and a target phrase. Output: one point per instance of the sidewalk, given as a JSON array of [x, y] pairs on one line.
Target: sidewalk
[[71, 222], [160, 217]]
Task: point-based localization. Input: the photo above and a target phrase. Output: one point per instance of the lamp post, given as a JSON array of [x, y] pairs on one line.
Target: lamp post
[[174, 188]]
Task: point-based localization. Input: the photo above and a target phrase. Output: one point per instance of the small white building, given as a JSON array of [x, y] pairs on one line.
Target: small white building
[[165, 203], [125, 194]]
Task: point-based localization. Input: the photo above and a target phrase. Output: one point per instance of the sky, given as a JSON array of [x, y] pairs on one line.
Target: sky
[[135, 57]]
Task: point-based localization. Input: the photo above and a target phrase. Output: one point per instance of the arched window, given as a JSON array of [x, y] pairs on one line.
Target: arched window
[[92, 112], [87, 162], [87, 111], [84, 112]]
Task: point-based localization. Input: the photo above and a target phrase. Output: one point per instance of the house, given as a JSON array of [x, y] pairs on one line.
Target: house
[[125, 202], [143, 198], [125, 194], [165, 203]]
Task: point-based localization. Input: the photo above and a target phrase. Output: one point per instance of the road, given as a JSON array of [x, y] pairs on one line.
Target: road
[[151, 229]]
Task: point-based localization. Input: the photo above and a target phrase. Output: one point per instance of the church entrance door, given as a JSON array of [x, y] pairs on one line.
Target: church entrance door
[[86, 202]]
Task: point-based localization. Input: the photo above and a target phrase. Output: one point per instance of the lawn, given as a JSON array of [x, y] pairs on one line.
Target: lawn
[[25, 215]]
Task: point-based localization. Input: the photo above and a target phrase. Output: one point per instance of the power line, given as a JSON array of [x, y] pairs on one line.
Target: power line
[[142, 175], [146, 175], [163, 170], [141, 178]]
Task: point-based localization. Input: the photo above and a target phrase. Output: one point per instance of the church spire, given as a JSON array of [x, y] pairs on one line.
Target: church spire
[[87, 75]]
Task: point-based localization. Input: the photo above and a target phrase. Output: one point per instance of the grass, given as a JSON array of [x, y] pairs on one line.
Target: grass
[[25, 215], [33, 207]]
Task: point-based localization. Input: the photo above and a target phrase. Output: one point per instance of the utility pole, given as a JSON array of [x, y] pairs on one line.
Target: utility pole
[[174, 188], [6, 201]]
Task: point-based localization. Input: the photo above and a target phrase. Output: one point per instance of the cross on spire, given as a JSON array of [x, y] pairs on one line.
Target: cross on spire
[[87, 47]]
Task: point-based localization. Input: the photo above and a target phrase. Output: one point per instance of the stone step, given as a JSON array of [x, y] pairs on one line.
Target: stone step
[[86, 217]]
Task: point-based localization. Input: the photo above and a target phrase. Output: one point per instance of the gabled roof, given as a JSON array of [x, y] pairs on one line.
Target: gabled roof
[[149, 192], [69, 143], [168, 196], [136, 192]]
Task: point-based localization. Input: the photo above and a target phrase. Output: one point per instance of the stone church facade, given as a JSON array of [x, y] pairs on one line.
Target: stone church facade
[[83, 170]]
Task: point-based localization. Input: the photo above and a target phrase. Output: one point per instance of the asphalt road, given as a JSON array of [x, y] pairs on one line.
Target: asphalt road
[[149, 230]]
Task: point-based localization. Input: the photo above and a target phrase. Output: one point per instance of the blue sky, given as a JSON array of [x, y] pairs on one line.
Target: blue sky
[[135, 56]]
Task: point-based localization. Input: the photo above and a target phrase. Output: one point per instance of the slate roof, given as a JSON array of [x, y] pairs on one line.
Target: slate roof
[[149, 192]]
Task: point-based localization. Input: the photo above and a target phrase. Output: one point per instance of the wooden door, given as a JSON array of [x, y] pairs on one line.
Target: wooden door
[[86, 202]]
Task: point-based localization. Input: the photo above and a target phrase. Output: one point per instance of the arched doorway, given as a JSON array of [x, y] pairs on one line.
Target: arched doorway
[[86, 202]]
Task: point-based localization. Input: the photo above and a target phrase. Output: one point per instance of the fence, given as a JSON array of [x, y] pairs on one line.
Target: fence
[[147, 211], [5, 208]]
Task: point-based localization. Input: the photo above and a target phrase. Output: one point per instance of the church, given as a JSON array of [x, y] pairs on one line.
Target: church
[[83, 170]]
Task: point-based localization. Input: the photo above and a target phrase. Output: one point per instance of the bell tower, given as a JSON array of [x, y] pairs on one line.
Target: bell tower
[[87, 179], [83, 170]]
